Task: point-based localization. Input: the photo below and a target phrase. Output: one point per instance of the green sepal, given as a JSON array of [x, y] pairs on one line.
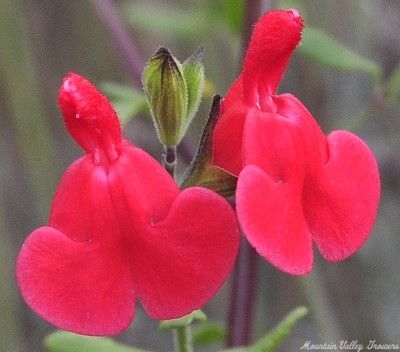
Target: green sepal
[[179, 323], [201, 171], [193, 72], [166, 92], [272, 341], [64, 341]]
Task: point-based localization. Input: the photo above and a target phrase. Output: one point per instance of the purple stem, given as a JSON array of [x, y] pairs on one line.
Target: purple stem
[[109, 15], [245, 275], [242, 296]]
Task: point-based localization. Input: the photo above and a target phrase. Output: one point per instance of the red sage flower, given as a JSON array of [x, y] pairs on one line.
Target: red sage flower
[[120, 230], [295, 185]]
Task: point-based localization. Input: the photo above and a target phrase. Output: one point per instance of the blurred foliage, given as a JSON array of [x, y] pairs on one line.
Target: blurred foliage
[[184, 21], [351, 41], [393, 86], [127, 102], [318, 45], [63, 341], [273, 340]]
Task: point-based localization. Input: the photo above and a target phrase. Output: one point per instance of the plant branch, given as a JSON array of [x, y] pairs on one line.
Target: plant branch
[[108, 14]]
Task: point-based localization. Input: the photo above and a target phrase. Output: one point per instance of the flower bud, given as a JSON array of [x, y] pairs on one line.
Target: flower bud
[[166, 92]]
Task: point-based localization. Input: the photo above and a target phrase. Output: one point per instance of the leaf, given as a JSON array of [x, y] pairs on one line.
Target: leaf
[[209, 333], [168, 20], [271, 341], [275, 337], [127, 102], [183, 321], [63, 341], [327, 51], [232, 13], [393, 86]]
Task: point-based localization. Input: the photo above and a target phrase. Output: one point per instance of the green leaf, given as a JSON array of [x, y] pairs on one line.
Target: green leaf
[[393, 86], [271, 341], [167, 20], [63, 341], [327, 51], [209, 333], [183, 321], [127, 102], [232, 13], [274, 338]]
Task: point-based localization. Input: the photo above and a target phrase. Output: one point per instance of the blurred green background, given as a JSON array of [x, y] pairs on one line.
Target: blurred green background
[[42, 40]]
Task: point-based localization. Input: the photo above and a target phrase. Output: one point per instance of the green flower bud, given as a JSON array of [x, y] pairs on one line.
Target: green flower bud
[[166, 92], [193, 71]]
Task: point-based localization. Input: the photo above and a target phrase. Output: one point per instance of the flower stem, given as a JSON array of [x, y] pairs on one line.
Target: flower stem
[[245, 275], [169, 160], [183, 339], [242, 296]]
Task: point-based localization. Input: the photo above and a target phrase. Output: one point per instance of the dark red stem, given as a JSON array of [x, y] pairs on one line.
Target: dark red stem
[[242, 297], [243, 293]]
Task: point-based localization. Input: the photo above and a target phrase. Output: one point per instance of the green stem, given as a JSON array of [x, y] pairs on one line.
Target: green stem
[[183, 339]]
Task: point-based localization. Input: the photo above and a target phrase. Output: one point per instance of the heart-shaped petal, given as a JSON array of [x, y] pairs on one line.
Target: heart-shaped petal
[[341, 201], [173, 252], [184, 259], [268, 195], [271, 216], [78, 286]]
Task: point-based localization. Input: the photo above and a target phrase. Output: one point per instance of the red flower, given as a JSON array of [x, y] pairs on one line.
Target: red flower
[[121, 230], [295, 184]]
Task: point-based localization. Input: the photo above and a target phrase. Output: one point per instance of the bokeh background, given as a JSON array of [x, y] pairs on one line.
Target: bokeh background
[[42, 40]]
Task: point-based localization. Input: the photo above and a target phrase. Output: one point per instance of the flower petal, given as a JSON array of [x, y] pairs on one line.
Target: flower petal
[[268, 195], [183, 260], [141, 189], [228, 133], [82, 207], [271, 216], [78, 286], [89, 116], [181, 246], [274, 143], [273, 41], [340, 203]]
